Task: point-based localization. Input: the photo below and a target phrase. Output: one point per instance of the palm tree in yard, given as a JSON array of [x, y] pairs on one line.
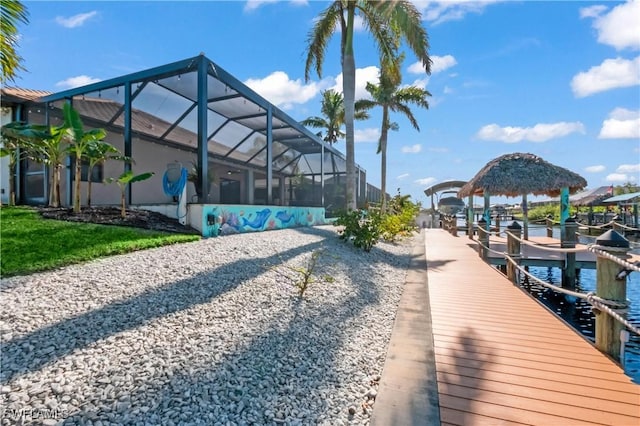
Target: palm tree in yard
[[382, 19], [392, 98], [332, 119], [12, 12]]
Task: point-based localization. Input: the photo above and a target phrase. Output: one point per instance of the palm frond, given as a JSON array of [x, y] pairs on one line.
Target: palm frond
[[319, 37]]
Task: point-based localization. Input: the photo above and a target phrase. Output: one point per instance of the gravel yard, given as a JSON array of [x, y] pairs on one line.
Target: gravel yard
[[211, 332]]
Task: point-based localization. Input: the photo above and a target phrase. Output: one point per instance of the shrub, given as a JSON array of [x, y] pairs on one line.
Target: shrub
[[361, 227]]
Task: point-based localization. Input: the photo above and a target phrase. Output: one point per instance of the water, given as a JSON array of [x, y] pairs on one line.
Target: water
[[578, 312]]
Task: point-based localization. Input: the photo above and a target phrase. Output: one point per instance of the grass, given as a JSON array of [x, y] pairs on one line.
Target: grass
[[29, 243]]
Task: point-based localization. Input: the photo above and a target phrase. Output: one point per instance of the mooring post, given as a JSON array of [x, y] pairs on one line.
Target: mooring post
[[483, 237], [569, 241], [470, 217], [513, 248], [549, 222], [497, 224], [610, 285]]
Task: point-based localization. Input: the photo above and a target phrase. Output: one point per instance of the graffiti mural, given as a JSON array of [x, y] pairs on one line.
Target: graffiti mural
[[235, 219]]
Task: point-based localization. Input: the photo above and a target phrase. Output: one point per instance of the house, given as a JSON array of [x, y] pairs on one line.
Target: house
[[249, 153]]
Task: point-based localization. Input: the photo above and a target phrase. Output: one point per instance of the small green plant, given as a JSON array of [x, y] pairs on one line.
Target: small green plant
[[304, 274], [362, 227], [122, 181]]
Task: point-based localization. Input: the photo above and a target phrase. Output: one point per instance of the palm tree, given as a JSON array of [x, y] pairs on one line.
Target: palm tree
[[44, 144], [391, 97], [12, 12], [79, 143], [382, 19], [332, 120], [98, 152]]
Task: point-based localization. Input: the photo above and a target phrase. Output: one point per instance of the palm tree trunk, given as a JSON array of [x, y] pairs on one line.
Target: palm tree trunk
[[12, 179], [76, 195], [89, 187], [348, 89], [54, 191], [383, 157]]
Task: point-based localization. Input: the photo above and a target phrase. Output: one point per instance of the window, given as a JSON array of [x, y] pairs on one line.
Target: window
[[97, 174]]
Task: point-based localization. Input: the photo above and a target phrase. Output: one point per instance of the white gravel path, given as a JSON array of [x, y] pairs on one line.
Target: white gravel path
[[210, 332]]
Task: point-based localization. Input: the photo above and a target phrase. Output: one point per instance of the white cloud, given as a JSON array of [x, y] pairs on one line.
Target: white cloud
[[367, 135], [538, 133], [595, 169], [279, 89], [413, 149], [448, 90], [438, 149], [363, 75], [621, 124], [592, 11], [425, 181], [80, 80], [440, 63], [628, 168], [437, 12], [75, 20], [619, 27], [254, 4], [403, 176], [611, 74], [620, 177]]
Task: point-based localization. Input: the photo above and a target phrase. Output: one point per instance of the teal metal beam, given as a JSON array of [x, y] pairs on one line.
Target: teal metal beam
[[182, 66], [203, 154], [127, 134], [269, 156]]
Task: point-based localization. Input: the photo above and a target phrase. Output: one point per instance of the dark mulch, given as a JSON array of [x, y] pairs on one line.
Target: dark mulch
[[112, 216]]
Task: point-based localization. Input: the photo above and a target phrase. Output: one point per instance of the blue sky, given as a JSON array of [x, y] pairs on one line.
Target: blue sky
[[557, 79]]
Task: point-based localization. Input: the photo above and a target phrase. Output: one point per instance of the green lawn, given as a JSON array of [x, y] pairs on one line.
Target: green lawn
[[29, 243]]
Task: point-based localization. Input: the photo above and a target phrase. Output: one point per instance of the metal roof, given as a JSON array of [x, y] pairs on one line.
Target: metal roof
[[622, 198]]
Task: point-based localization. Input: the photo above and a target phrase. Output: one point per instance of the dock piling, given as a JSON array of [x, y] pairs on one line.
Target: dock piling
[[569, 241], [513, 248], [609, 288]]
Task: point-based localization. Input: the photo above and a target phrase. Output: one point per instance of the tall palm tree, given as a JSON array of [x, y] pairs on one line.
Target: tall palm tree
[[332, 119], [392, 98], [12, 12], [379, 18]]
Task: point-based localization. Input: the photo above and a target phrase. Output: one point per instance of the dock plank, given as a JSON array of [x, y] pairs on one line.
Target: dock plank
[[503, 358]]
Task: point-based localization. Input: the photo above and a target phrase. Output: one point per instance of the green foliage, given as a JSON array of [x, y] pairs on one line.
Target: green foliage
[[541, 212], [366, 227], [79, 143], [12, 13], [122, 181], [31, 243], [304, 274], [362, 227]]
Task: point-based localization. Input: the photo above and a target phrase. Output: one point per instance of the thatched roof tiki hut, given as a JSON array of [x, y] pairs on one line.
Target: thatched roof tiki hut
[[521, 174]]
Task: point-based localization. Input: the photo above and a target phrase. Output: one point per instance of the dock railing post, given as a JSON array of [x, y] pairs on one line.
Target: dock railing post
[[569, 241], [610, 287], [549, 223], [483, 237], [497, 224], [513, 249]]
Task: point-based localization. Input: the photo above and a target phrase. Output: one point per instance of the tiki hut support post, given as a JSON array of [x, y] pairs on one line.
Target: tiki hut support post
[[484, 236], [525, 217], [564, 212], [470, 217]]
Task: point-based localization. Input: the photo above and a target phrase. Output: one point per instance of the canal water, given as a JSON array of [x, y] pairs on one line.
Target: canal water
[[578, 313]]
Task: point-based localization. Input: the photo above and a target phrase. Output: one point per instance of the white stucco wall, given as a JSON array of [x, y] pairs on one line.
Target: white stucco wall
[[5, 117]]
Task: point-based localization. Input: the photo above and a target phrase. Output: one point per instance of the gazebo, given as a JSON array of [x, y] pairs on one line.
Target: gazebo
[[522, 174]]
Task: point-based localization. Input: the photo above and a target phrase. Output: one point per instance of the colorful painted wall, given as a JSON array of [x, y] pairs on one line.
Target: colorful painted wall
[[234, 219]]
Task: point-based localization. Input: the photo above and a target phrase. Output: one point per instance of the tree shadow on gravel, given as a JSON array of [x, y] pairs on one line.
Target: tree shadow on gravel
[[38, 348], [290, 372]]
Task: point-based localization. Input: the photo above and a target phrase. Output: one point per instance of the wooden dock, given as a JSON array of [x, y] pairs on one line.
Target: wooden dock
[[503, 358]]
